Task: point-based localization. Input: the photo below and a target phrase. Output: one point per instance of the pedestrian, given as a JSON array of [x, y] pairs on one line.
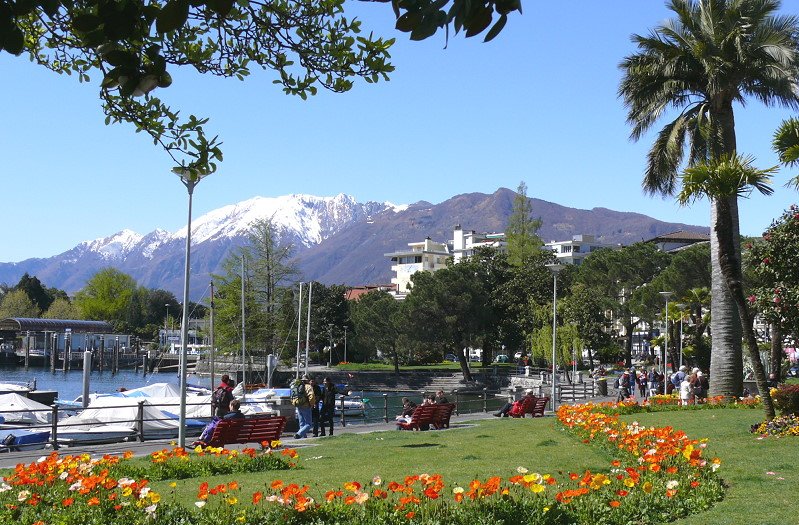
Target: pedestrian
[[315, 414], [686, 391], [624, 387], [222, 396], [303, 398], [654, 382], [641, 381], [328, 409], [699, 386]]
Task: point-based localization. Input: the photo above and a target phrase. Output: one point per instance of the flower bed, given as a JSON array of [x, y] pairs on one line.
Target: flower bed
[[779, 426], [658, 474]]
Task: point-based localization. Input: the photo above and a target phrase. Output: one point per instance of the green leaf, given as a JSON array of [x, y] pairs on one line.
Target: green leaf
[[50, 7], [86, 22], [494, 31], [14, 41], [221, 7], [477, 23], [119, 57], [172, 16], [408, 21]]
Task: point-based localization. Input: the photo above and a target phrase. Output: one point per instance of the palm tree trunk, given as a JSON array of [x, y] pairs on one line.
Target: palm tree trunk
[[730, 265], [726, 361]]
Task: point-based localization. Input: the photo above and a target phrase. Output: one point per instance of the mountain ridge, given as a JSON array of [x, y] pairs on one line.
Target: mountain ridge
[[337, 240]]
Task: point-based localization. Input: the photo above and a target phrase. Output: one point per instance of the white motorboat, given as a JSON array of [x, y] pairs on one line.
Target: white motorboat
[[19, 411], [109, 419], [352, 405]]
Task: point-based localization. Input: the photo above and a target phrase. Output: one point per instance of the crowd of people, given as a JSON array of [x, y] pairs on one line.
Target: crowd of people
[[692, 387], [314, 406], [409, 406]]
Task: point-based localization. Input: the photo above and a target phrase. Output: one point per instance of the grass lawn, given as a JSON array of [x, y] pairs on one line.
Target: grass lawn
[[754, 497], [496, 447]]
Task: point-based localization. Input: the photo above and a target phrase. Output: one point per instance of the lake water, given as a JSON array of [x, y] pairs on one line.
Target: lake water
[[69, 385]]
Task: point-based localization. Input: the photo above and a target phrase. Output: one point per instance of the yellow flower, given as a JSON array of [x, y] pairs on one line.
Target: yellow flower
[[232, 500], [647, 487], [536, 488], [173, 484], [155, 497]]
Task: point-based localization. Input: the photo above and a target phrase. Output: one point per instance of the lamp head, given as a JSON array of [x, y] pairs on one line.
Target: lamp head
[[191, 175], [666, 295], [555, 268]]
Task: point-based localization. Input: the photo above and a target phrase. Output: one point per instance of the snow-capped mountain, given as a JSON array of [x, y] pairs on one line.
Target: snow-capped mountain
[[155, 259], [337, 240]]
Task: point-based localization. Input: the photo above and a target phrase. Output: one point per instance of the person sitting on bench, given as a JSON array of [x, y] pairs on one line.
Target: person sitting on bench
[[515, 407], [208, 431]]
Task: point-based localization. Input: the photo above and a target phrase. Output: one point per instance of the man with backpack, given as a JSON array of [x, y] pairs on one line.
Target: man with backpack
[[303, 398], [222, 396]]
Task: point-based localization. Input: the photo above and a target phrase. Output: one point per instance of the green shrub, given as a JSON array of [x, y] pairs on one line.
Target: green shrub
[[786, 399]]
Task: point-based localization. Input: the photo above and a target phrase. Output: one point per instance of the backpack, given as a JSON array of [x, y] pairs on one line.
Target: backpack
[[221, 399], [299, 397]]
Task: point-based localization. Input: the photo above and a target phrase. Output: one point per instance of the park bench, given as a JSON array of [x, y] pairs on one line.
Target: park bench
[[253, 429], [445, 411], [532, 405], [423, 416], [540, 406]]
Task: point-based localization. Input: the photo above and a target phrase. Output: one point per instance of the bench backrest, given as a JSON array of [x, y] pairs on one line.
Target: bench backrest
[[248, 430], [540, 406], [445, 411]]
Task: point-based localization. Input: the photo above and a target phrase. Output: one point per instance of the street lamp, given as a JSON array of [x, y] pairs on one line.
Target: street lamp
[[166, 338], [190, 178], [666, 296], [681, 307], [555, 269], [330, 350], [345, 343]]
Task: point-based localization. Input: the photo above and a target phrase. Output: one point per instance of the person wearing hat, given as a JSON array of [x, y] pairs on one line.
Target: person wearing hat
[[625, 383], [699, 385], [516, 409], [302, 405]]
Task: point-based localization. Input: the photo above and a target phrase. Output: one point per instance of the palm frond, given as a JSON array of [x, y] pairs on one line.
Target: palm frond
[[724, 177]]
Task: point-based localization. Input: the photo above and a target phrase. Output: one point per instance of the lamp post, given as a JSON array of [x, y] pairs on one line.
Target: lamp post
[[345, 343], [330, 349], [666, 296], [166, 319], [555, 269], [681, 307], [190, 178]]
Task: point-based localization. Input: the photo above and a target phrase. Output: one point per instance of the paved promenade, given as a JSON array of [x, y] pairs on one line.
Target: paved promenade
[[11, 459]]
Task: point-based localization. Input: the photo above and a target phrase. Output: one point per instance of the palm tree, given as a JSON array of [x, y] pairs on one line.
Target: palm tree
[[720, 179], [713, 54]]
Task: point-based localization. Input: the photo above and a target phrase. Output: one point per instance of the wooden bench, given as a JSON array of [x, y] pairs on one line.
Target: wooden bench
[[540, 406], [532, 405], [445, 411], [253, 429], [423, 416]]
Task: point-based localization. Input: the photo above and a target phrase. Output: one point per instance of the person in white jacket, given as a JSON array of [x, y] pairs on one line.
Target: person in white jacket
[[686, 392]]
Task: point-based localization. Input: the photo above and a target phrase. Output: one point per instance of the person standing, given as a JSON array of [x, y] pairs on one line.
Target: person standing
[[317, 390], [328, 405], [303, 398], [222, 396]]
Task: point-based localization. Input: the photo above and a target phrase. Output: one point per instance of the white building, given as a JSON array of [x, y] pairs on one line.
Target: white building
[[576, 249], [465, 243], [427, 256], [430, 256]]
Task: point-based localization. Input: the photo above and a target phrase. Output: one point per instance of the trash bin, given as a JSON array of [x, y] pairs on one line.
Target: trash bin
[[601, 386]]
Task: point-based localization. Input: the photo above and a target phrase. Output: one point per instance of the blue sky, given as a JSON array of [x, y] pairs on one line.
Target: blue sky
[[537, 104]]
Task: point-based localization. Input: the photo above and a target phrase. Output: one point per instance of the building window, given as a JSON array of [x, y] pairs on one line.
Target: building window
[[566, 249]]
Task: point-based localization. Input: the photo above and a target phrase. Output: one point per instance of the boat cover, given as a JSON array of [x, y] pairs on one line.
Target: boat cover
[[32, 412]]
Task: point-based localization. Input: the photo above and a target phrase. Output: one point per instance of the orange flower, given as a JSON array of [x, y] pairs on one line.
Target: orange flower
[[614, 503], [233, 485], [410, 515], [277, 484], [256, 497], [67, 502], [93, 501]]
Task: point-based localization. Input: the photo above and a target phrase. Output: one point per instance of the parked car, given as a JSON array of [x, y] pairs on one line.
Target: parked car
[[502, 358], [451, 357]]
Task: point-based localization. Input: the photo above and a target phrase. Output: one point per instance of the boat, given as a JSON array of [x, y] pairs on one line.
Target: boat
[[110, 419], [15, 387], [352, 405], [19, 439], [19, 411]]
